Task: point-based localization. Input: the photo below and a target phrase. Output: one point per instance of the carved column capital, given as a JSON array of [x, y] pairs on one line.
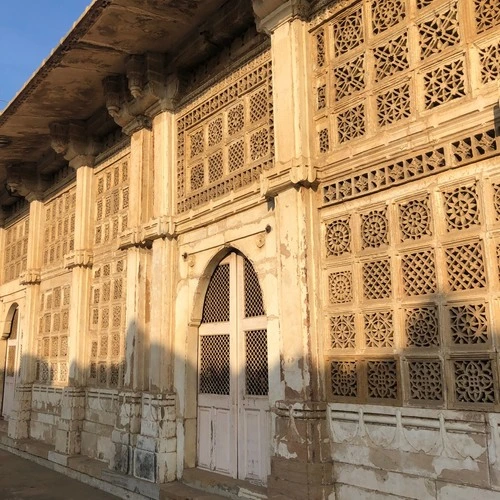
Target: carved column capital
[[73, 142], [79, 258], [270, 14]]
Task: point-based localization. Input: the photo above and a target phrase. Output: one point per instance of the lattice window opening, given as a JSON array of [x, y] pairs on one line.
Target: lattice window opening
[[487, 14], [444, 83], [247, 146], [216, 307], [425, 381], [465, 267], [256, 368], [342, 331], [379, 329], [253, 299], [387, 14], [377, 279], [419, 273], [439, 31], [474, 381], [15, 250], [490, 63], [415, 220], [343, 378], [348, 31], [340, 287], [214, 371], [474, 147], [374, 228], [422, 327], [461, 207], [469, 324], [394, 105], [383, 380]]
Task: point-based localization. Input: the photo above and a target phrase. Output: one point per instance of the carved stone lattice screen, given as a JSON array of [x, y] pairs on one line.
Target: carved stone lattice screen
[[225, 138], [52, 345], [58, 239], [16, 249], [383, 63], [411, 289], [107, 314]]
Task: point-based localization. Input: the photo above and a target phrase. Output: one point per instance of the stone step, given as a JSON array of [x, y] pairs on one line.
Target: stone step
[[223, 486], [180, 491]]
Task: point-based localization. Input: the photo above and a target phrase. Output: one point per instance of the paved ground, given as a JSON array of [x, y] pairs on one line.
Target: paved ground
[[23, 479]]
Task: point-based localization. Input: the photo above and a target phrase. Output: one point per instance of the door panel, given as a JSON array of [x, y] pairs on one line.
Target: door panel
[[233, 405]]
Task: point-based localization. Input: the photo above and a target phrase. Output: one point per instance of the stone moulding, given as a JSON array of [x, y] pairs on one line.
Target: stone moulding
[[453, 153]]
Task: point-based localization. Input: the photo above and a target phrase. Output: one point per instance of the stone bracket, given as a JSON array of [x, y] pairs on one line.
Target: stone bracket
[[78, 258], [30, 277], [161, 227], [298, 174], [272, 13]]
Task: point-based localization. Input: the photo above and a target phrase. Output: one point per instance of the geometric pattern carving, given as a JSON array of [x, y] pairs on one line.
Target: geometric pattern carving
[[479, 145], [393, 173], [374, 229], [216, 307], [474, 381], [340, 287], [320, 48], [349, 78], [257, 373], [419, 273], [351, 123], [348, 31], [386, 13], [496, 200], [382, 379], [469, 324], [487, 14], [59, 228], [342, 332], [214, 371], [415, 219], [377, 279], [112, 204], [490, 63], [439, 32], [422, 327], [225, 137], [426, 380], [344, 378], [52, 349], [393, 105], [324, 140], [444, 83], [461, 207], [16, 249], [391, 57], [465, 267], [338, 237], [379, 329]]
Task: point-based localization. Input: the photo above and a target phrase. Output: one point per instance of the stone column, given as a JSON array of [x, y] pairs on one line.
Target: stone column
[[138, 282], [68, 433], [155, 454], [301, 467], [19, 423]]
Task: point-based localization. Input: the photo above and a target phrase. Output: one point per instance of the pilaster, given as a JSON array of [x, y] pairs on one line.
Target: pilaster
[[73, 141], [301, 466], [2, 244], [19, 423]]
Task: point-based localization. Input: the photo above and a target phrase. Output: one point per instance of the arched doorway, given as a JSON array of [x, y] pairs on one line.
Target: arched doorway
[[9, 383], [233, 375]]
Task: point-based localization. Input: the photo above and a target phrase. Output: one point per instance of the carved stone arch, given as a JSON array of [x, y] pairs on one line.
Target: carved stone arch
[[7, 324]]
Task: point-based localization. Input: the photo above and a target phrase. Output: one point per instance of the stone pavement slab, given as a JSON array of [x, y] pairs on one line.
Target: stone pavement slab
[[23, 479]]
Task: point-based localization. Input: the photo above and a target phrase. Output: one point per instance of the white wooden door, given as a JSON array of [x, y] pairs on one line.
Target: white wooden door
[[233, 403], [9, 384]]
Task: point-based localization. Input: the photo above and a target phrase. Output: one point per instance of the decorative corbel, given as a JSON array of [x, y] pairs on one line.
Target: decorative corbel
[[134, 69], [24, 181], [73, 142], [269, 14]]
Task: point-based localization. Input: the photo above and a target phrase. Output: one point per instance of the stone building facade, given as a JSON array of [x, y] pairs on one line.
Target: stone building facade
[[254, 247]]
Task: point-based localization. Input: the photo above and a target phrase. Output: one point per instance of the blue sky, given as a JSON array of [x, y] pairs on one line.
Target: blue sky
[[29, 30]]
